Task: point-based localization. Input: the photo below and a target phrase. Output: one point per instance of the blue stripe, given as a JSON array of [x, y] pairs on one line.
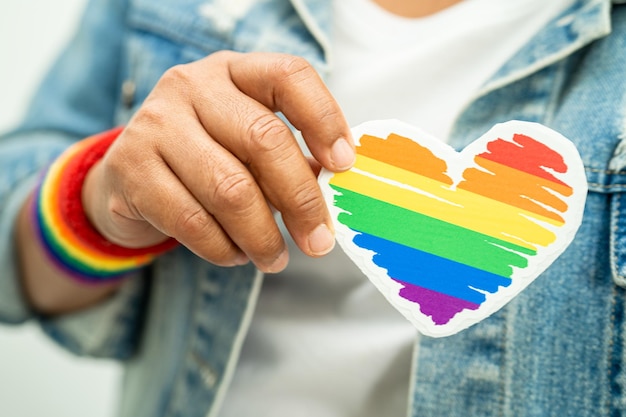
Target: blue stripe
[[430, 271]]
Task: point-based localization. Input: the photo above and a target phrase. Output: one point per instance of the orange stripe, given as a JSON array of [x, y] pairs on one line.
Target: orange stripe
[[515, 187], [404, 153]]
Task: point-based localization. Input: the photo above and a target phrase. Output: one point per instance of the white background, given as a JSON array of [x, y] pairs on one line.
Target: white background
[[37, 378]]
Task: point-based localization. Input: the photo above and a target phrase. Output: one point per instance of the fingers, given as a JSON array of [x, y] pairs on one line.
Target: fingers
[[289, 84], [258, 138], [205, 158], [227, 197], [173, 210], [146, 201]]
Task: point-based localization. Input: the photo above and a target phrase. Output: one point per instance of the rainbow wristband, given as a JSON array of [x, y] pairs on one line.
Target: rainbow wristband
[[66, 235]]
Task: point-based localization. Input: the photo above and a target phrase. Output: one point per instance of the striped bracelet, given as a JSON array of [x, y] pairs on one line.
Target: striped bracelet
[[65, 233]]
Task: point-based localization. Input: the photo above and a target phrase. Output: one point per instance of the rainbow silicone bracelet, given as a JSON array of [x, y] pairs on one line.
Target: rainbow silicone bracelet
[[66, 235]]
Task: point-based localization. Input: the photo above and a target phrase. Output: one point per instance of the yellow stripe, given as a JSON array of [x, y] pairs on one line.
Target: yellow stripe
[[465, 209], [459, 196]]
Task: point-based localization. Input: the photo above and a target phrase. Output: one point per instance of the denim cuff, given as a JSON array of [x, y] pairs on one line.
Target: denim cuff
[[109, 329], [13, 307]]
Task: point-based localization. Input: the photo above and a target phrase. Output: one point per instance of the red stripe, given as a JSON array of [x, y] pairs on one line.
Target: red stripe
[[527, 155]]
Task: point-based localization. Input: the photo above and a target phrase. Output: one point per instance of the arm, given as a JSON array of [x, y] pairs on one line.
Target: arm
[[48, 289], [204, 173], [76, 99]]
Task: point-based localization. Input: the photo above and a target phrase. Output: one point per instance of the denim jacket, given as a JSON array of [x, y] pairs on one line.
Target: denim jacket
[[558, 349]]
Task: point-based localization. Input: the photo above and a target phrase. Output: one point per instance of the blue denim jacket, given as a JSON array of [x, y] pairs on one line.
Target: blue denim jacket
[[556, 350]]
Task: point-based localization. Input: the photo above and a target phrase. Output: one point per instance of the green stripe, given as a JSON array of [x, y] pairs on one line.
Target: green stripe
[[368, 215]]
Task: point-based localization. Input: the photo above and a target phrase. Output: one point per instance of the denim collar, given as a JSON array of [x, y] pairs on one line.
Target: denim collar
[[574, 28], [317, 17]]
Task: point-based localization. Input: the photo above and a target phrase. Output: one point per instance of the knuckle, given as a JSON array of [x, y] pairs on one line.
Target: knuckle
[[307, 201], [234, 192], [289, 66], [267, 133], [178, 75], [196, 228], [220, 253], [272, 245], [326, 112], [115, 164], [174, 87], [193, 222], [122, 173], [222, 55], [152, 114], [266, 248]]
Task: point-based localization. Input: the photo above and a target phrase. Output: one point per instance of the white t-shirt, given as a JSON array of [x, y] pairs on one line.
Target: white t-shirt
[[324, 342]]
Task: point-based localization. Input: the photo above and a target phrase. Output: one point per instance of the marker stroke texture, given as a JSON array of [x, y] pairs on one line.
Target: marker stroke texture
[[448, 242]]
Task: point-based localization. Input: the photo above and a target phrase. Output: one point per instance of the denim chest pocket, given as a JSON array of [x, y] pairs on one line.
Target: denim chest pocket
[[603, 152], [613, 182], [171, 32], [605, 165]]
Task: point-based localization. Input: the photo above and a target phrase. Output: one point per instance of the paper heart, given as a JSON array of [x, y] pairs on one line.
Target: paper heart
[[450, 237]]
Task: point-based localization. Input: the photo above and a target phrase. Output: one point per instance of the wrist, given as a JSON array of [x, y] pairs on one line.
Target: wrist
[[113, 220], [71, 241], [47, 290]]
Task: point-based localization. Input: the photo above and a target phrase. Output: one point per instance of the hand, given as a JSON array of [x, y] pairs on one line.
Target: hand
[[205, 158]]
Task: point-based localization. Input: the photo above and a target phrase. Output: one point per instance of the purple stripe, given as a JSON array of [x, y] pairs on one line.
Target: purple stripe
[[440, 307]]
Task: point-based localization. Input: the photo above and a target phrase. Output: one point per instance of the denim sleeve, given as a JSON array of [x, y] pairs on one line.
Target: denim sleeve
[[76, 99]]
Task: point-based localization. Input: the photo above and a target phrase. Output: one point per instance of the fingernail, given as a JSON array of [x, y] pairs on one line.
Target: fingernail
[[279, 263], [321, 240], [241, 259], [342, 154]]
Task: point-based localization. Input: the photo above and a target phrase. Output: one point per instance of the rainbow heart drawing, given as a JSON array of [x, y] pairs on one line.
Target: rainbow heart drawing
[[450, 237]]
